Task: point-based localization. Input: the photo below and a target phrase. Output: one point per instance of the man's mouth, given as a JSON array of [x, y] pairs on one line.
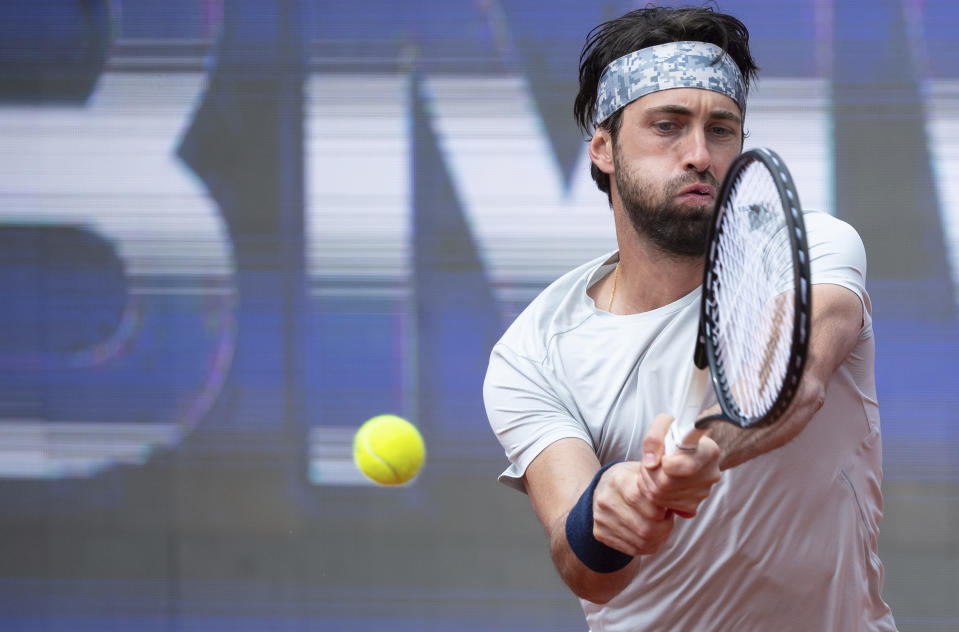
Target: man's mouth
[[700, 191]]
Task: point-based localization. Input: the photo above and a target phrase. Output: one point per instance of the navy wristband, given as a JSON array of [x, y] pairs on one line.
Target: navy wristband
[[595, 555]]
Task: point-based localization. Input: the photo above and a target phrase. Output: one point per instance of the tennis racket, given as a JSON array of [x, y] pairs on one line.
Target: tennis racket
[[755, 314]]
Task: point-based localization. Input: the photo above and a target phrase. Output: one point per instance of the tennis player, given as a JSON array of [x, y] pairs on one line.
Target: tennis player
[[760, 529]]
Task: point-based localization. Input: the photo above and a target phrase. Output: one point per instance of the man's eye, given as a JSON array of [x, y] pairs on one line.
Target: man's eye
[[665, 126], [722, 131]]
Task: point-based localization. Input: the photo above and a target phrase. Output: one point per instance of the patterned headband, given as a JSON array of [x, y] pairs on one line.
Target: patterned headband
[[672, 65]]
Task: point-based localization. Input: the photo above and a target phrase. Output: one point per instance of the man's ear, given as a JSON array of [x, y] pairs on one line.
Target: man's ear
[[601, 151]]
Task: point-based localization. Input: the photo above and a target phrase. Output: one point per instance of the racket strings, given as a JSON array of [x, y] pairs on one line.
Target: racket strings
[[751, 282]]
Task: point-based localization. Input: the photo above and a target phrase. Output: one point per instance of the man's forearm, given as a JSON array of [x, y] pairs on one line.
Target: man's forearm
[[738, 445], [585, 583], [836, 322]]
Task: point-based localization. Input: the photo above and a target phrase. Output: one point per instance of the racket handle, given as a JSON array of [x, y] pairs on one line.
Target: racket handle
[[683, 434]]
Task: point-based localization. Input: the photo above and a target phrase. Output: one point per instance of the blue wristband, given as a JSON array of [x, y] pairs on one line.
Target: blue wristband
[[595, 555]]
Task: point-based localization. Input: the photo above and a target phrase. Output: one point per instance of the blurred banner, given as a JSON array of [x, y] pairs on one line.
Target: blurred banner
[[231, 232]]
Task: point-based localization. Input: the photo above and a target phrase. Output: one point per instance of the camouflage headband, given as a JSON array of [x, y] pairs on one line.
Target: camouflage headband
[[672, 65]]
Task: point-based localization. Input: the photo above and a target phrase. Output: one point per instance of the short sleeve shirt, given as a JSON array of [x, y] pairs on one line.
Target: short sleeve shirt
[[787, 540]]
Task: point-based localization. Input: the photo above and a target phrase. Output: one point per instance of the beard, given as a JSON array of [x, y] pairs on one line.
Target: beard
[[674, 228]]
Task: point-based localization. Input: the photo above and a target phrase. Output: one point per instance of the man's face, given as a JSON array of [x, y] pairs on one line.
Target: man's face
[[673, 149]]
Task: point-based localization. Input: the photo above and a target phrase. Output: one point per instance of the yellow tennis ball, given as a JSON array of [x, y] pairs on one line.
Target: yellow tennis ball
[[388, 449]]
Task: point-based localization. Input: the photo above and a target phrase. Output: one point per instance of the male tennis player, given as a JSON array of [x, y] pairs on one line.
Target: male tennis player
[[786, 537]]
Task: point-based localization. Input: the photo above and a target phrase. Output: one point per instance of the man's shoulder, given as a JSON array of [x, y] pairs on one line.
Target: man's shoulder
[[562, 306], [833, 244], [822, 224]]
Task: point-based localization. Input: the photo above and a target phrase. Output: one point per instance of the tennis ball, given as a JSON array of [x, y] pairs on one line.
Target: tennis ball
[[388, 449]]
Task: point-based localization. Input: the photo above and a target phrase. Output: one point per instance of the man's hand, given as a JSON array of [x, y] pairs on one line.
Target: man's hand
[[624, 515], [681, 481], [634, 502]]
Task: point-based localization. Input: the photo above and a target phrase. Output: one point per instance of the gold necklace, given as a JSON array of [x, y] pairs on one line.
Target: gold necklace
[[612, 295]]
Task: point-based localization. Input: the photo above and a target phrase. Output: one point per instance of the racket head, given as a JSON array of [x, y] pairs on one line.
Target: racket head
[[756, 304]]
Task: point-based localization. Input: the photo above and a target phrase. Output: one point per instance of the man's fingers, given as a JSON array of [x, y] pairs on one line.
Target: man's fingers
[[703, 463], [626, 492], [654, 443], [684, 479], [623, 515], [681, 496], [631, 534]]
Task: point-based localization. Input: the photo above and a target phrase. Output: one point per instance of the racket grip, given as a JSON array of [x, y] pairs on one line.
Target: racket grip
[[683, 434]]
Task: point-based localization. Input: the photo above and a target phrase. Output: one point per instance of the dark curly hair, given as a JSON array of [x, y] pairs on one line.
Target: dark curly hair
[[643, 28]]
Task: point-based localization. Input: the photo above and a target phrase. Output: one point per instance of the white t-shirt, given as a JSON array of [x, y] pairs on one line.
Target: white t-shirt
[[786, 541]]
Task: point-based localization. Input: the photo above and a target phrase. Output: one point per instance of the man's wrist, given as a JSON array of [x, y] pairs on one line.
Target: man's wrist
[[595, 555]]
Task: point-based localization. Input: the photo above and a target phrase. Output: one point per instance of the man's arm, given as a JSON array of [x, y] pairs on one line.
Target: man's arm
[[627, 504], [837, 319]]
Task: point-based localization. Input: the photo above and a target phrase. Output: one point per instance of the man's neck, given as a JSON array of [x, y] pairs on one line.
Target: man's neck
[[650, 278]]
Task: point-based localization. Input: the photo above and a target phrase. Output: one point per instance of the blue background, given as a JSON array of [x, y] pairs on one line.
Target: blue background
[[232, 231]]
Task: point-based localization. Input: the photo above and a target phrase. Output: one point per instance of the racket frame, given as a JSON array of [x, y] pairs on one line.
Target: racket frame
[[705, 352]]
